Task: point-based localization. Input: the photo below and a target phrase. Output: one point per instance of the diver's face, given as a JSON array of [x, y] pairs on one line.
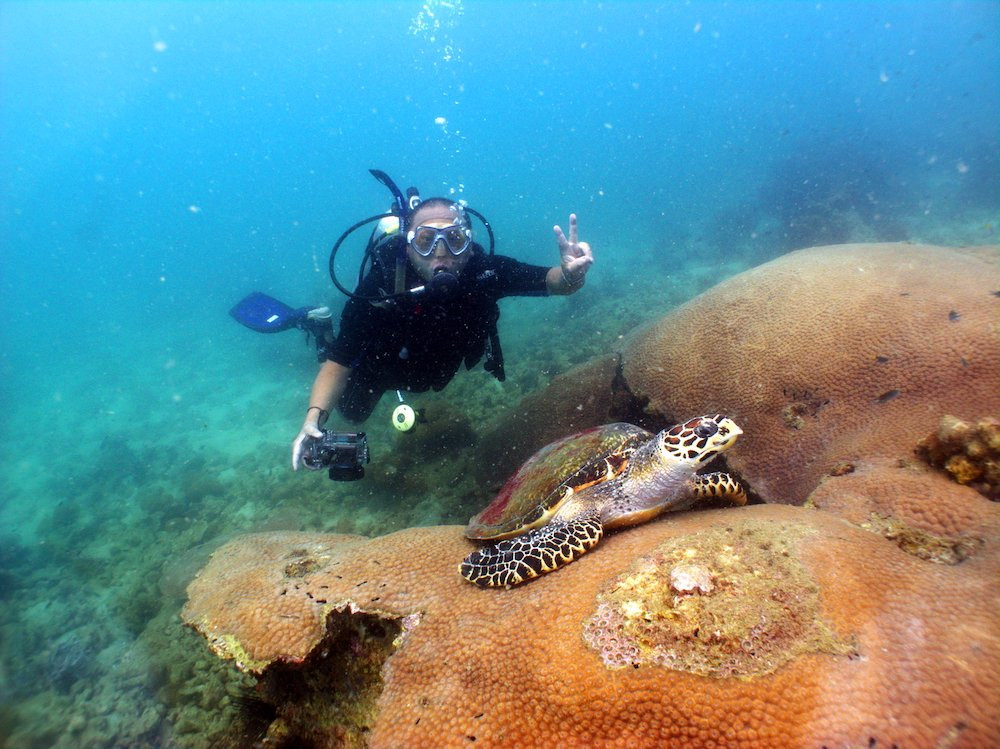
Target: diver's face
[[440, 259]]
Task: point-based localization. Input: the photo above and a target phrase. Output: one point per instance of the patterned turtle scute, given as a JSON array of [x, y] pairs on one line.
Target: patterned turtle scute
[[554, 473]]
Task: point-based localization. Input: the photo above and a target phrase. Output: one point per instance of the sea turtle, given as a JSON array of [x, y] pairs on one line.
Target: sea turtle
[[560, 502]]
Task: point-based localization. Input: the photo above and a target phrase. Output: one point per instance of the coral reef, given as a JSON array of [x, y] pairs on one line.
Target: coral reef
[[825, 356], [829, 355], [93, 653], [70, 659], [970, 453], [762, 626]]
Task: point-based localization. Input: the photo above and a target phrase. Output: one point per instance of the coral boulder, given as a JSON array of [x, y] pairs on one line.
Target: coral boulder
[[755, 627], [829, 354]]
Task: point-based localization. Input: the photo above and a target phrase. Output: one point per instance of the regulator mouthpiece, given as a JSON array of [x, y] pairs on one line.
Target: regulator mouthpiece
[[443, 282]]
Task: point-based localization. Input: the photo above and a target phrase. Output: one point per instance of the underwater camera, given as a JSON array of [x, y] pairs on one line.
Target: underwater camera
[[343, 453]]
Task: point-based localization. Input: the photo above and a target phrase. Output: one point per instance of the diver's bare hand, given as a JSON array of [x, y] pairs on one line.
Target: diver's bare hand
[[310, 430], [575, 257]]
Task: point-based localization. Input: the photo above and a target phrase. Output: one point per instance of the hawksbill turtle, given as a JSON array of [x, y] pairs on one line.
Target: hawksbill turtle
[[559, 503]]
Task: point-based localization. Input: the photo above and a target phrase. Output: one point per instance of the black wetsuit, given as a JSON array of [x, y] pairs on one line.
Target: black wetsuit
[[418, 343]]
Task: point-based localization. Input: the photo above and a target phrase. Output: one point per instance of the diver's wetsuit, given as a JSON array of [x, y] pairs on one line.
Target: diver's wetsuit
[[418, 343]]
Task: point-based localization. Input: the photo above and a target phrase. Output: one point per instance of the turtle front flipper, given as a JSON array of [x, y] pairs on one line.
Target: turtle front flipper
[[516, 560], [719, 486]]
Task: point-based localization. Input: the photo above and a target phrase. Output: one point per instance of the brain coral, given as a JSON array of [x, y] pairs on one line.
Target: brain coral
[[830, 354], [754, 627]]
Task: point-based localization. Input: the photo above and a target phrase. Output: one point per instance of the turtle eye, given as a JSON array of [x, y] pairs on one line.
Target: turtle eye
[[706, 428]]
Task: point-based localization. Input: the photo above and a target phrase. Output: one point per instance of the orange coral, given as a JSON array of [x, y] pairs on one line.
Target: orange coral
[[920, 510], [756, 627], [828, 355], [265, 630]]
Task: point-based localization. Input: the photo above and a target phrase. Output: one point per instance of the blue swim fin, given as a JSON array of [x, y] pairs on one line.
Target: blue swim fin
[[266, 314]]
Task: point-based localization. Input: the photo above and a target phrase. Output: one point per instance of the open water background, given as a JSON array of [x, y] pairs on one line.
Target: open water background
[[160, 160]]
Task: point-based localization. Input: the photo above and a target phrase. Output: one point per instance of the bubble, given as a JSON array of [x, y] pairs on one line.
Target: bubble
[[436, 22]]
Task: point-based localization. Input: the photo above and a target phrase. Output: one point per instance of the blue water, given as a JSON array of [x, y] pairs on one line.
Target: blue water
[[161, 160]]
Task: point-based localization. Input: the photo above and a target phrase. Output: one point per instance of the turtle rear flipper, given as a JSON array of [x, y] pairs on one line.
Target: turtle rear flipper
[[516, 560], [719, 486]]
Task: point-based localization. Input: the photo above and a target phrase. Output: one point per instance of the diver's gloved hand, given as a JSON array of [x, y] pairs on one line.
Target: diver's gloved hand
[[310, 430], [575, 257]]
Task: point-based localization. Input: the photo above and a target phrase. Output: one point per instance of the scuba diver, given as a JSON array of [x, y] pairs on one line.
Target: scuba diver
[[425, 303], [442, 310]]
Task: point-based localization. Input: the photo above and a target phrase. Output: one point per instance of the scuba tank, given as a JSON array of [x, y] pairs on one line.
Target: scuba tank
[[389, 227]]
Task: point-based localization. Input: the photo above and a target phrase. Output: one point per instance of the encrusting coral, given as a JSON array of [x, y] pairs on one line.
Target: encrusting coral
[[756, 627], [970, 453]]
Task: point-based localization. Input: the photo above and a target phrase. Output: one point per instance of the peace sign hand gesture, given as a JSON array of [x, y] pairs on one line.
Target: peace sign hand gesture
[[575, 257]]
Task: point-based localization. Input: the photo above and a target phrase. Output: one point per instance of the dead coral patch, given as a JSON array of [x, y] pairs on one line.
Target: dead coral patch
[[926, 546], [334, 693], [721, 602]]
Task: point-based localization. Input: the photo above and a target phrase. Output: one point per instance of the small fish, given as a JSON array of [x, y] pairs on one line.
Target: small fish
[[889, 395], [954, 316]]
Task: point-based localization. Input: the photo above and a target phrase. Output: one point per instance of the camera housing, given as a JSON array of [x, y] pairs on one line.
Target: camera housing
[[343, 454]]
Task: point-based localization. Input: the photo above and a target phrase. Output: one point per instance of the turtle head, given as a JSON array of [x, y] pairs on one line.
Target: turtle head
[[697, 441]]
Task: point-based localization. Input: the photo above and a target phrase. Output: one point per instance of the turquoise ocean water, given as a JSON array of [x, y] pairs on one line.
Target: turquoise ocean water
[[160, 160]]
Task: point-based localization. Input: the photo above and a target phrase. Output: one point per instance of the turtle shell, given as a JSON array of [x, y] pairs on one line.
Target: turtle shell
[[542, 484]]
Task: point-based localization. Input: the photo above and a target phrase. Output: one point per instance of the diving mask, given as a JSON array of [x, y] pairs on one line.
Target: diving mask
[[456, 238]]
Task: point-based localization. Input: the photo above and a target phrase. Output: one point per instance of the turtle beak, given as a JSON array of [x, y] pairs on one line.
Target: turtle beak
[[728, 430]]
